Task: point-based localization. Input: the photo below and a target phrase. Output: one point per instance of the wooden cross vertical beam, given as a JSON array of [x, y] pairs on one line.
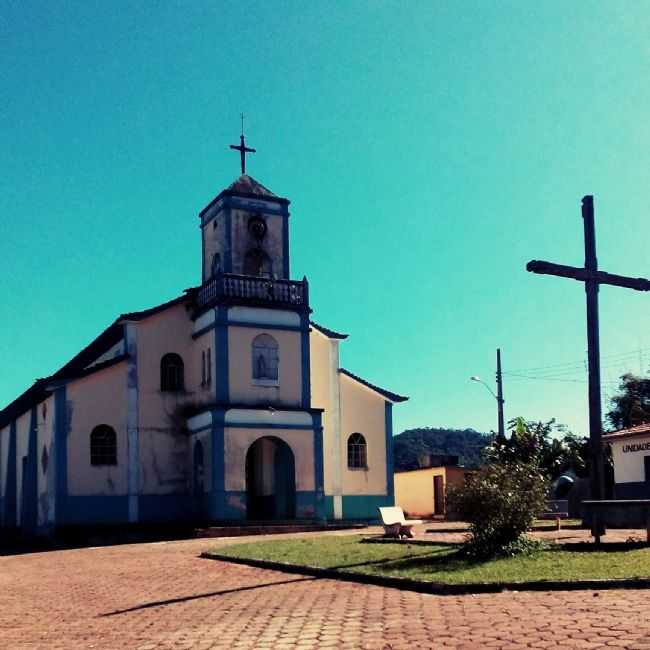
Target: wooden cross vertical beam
[[593, 353]]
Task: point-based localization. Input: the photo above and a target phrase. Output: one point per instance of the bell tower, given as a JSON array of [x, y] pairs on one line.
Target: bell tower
[[245, 229]]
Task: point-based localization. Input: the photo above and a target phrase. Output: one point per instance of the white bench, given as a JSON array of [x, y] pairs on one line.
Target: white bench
[[394, 523]]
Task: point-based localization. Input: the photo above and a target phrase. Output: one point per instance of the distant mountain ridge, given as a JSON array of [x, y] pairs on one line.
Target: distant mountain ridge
[[411, 448]]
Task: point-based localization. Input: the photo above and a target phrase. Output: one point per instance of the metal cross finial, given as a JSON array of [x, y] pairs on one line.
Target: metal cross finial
[[242, 148]]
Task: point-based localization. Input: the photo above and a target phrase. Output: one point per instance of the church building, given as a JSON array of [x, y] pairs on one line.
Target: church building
[[227, 403]]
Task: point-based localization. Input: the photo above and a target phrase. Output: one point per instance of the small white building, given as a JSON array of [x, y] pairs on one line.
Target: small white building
[[631, 456]]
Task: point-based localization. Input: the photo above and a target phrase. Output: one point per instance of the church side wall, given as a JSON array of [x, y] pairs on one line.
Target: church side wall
[[243, 389], [163, 442], [363, 411], [96, 494]]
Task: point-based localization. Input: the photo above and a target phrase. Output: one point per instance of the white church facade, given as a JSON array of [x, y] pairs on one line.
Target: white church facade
[[224, 404]]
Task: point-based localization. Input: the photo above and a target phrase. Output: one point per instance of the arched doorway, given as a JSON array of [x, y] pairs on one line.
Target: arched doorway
[[270, 480]]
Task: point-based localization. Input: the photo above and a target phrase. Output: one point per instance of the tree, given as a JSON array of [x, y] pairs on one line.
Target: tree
[[631, 405], [532, 443]]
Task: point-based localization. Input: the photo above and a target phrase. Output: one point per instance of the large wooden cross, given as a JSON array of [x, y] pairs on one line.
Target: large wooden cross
[[592, 278]]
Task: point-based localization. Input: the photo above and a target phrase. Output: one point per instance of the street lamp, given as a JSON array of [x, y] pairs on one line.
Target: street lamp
[[498, 396]]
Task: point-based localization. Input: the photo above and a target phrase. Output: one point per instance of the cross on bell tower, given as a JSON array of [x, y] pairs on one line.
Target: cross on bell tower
[[242, 148]]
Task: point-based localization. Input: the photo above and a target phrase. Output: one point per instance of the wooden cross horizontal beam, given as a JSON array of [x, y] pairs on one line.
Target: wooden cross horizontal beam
[[584, 275]]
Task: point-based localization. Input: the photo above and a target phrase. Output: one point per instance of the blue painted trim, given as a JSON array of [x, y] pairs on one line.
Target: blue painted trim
[[218, 500], [60, 455], [319, 478], [29, 491], [221, 355], [329, 507], [262, 425], [164, 507], [235, 503], [285, 246], [11, 487], [305, 362], [227, 257], [390, 481], [96, 510], [267, 326], [364, 506], [309, 505], [251, 205]]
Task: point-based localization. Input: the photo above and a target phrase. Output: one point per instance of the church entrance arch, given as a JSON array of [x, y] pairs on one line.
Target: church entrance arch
[[270, 480]]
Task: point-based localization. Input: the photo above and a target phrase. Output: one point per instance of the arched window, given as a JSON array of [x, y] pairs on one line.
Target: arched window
[[216, 264], [257, 262], [357, 451], [171, 372], [103, 445], [265, 357]]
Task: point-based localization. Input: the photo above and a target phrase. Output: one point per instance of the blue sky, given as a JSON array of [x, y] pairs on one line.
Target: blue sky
[[429, 151]]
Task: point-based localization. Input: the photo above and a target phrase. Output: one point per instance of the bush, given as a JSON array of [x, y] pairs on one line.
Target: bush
[[500, 502]]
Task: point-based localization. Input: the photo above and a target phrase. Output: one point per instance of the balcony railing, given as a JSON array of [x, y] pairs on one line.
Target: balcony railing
[[232, 288]]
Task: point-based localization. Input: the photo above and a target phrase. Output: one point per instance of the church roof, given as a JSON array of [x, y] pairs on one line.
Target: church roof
[[327, 332], [246, 187], [246, 184], [78, 365], [390, 396]]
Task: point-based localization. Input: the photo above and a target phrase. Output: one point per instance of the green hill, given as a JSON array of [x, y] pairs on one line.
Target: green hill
[[411, 448]]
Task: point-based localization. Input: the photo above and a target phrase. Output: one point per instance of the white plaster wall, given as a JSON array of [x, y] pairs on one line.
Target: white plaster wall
[[165, 461], [240, 357], [99, 398], [629, 466], [263, 316], [363, 411], [238, 440]]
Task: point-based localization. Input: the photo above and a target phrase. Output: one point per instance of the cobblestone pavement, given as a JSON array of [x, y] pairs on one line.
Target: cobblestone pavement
[[163, 596]]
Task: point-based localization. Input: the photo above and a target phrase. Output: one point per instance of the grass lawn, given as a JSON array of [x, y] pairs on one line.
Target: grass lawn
[[440, 563]]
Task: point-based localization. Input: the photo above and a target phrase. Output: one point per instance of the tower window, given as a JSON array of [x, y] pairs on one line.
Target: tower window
[[171, 372], [265, 357], [103, 445], [257, 262], [357, 452]]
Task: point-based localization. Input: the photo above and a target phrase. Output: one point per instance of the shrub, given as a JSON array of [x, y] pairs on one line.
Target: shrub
[[500, 502]]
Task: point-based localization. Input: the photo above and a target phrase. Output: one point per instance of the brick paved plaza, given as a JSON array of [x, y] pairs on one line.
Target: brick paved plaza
[[163, 596]]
